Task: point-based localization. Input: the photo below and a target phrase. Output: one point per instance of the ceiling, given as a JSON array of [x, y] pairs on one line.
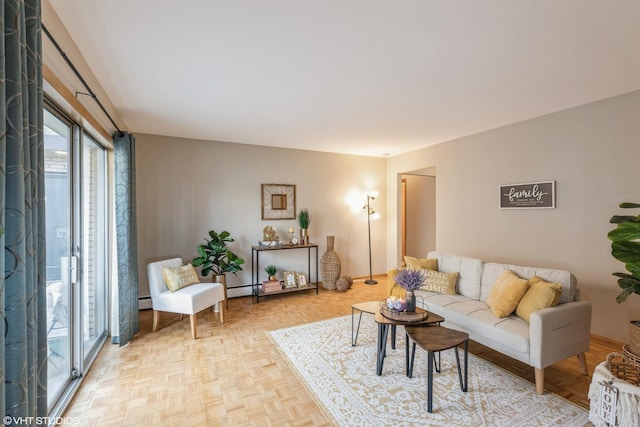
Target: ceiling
[[366, 77]]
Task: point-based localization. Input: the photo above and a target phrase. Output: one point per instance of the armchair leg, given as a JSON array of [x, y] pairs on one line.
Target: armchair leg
[[222, 309], [539, 374], [582, 363], [192, 318], [156, 320]]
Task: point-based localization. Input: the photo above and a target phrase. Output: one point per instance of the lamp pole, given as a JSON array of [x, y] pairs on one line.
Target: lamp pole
[[370, 281]]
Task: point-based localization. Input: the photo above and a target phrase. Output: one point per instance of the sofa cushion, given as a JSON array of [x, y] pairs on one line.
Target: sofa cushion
[[420, 263], [492, 271], [441, 282], [539, 295], [506, 293], [470, 270], [179, 277]]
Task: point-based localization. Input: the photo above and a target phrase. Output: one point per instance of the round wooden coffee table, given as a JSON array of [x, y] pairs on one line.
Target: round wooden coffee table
[[436, 339]]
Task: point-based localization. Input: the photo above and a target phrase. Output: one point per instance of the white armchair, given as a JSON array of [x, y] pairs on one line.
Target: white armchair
[[188, 300]]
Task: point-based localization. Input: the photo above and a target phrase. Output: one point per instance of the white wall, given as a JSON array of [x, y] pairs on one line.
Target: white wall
[[592, 152], [187, 187]]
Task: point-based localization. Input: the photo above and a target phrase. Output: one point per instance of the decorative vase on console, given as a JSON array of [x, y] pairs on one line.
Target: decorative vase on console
[[330, 266]]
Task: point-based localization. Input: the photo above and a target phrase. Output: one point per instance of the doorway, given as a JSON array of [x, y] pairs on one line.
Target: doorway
[[418, 213]]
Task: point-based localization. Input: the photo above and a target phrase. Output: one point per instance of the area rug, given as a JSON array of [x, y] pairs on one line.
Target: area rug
[[343, 380]]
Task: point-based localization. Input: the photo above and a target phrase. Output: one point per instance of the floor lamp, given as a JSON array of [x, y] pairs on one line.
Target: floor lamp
[[370, 213]]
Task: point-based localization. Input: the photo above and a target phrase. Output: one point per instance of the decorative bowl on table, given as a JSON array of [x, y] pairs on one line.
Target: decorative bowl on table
[[388, 309]]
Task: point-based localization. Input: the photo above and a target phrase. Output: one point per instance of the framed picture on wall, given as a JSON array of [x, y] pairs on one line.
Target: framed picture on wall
[[278, 201], [530, 195]]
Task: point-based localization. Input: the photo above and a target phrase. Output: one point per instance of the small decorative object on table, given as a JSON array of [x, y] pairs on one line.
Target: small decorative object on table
[[269, 286], [271, 270], [269, 237], [395, 309], [410, 280], [302, 279], [304, 219], [290, 280]]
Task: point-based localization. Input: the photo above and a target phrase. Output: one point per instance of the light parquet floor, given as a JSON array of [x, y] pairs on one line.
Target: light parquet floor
[[233, 375]]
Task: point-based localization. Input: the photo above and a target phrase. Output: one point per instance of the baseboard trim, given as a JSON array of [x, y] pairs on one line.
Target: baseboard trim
[[606, 341], [144, 303]]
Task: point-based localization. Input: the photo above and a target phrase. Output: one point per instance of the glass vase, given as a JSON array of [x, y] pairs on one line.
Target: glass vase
[[410, 300]]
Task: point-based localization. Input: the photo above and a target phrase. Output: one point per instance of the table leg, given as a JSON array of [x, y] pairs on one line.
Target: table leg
[[353, 341], [406, 354], [463, 384], [383, 332], [430, 381], [410, 360], [466, 365], [393, 337]]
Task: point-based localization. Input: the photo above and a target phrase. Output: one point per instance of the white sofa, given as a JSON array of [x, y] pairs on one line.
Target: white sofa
[[553, 333]]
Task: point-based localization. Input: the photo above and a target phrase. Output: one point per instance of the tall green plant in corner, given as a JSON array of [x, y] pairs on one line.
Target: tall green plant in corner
[[625, 247], [214, 256]]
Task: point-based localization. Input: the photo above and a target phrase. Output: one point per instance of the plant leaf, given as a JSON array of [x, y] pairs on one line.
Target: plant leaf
[[623, 296], [634, 269], [627, 252], [625, 231], [616, 219], [627, 205]]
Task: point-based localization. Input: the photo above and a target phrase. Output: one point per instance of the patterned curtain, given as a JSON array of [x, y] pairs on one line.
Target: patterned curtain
[[126, 235], [23, 358]]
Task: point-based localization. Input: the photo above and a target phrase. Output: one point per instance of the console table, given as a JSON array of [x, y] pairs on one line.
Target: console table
[[255, 261]]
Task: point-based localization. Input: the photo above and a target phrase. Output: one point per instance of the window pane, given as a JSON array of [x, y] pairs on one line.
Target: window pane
[[94, 279], [58, 191]]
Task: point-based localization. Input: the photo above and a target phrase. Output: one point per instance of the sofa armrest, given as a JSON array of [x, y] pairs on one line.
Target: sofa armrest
[[559, 332]]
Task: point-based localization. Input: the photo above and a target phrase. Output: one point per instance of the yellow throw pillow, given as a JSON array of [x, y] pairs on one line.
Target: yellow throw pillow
[[439, 281], [506, 293], [419, 263], [179, 277], [393, 289], [541, 294]]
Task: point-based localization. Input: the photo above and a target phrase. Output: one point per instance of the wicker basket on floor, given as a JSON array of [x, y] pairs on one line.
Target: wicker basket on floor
[[630, 356], [624, 368]]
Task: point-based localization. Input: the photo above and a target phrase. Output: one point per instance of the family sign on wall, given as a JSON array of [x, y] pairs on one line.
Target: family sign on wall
[[528, 195]]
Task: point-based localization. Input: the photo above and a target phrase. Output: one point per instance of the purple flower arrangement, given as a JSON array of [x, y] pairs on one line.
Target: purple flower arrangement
[[409, 279]]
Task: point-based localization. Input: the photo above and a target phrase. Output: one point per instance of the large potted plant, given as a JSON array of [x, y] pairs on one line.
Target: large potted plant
[[215, 258], [625, 247]]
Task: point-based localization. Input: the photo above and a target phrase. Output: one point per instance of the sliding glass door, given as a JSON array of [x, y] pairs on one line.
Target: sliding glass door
[[58, 186], [94, 242], [76, 215]]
